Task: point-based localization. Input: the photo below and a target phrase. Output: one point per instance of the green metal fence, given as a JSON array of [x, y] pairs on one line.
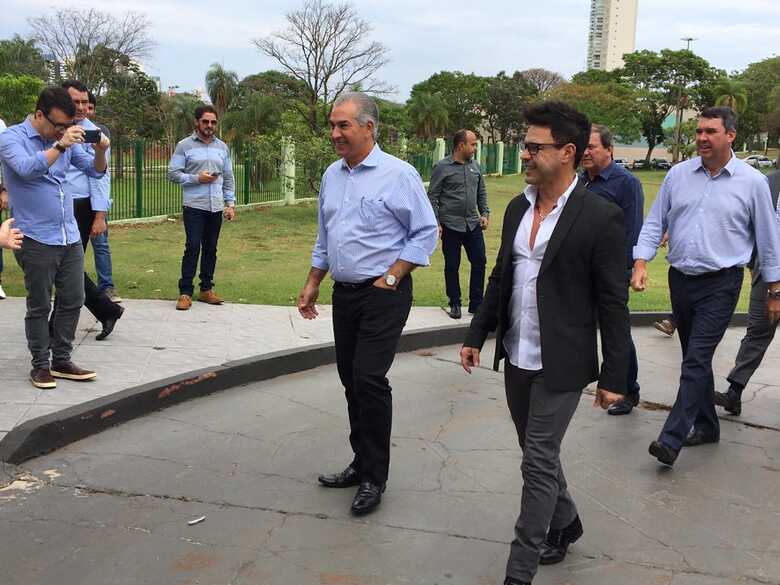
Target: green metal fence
[[510, 159]]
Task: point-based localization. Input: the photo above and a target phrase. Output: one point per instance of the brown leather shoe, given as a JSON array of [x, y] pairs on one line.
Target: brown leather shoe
[[71, 371], [184, 302], [208, 296], [41, 378]]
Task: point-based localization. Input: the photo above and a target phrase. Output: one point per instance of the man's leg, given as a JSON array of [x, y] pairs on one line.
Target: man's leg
[[39, 265], [103, 266], [208, 260], [69, 282], [194, 224], [541, 418], [702, 308], [474, 243], [384, 314], [451, 241]]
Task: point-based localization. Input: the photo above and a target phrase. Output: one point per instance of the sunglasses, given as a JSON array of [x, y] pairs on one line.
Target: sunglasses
[[209, 122]]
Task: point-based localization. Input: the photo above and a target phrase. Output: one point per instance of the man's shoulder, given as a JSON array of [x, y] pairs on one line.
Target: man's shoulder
[[395, 165], [88, 124], [12, 133], [186, 141], [592, 201], [446, 161], [625, 175]]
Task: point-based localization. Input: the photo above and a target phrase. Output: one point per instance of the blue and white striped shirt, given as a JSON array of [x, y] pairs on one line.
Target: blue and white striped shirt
[[714, 222], [372, 215], [192, 156], [80, 185]]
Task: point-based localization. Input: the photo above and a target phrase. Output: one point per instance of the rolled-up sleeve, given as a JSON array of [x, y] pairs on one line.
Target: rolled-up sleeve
[[319, 255], [656, 224], [228, 181], [412, 208], [176, 168], [13, 154], [767, 225], [100, 190], [85, 162]]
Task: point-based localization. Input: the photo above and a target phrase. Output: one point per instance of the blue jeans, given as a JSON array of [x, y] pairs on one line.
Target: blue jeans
[[202, 232], [103, 266]]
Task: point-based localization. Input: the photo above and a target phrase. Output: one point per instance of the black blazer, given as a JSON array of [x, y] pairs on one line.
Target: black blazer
[[582, 281]]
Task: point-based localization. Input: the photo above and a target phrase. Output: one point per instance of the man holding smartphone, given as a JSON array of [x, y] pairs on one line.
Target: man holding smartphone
[[201, 165]]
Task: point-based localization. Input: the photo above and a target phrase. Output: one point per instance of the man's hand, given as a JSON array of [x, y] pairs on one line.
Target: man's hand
[[307, 300], [469, 358], [440, 231], [205, 178], [104, 144], [10, 237], [71, 136], [773, 310], [98, 225], [3, 199], [230, 213], [605, 398], [639, 276], [484, 221], [380, 283], [665, 239]]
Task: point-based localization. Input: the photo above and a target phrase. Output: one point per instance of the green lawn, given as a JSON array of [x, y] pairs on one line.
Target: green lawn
[[264, 256]]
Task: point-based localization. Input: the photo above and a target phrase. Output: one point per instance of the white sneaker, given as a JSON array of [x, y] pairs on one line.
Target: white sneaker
[[2, 292]]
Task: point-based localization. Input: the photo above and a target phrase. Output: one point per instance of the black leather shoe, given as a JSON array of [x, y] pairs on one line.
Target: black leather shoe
[[699, 437], [624, 406], [368, 497], [510, 581], [731, 400], [664, 453], [109, 324], [454, 312], [554, 546], [347, 478]]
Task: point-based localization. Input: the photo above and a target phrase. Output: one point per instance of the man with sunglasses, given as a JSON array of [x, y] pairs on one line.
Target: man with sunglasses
[[561, 269], [201, 165], [36, 156]]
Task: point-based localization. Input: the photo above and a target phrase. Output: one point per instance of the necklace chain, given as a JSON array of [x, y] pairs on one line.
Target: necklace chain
[[539, 213]]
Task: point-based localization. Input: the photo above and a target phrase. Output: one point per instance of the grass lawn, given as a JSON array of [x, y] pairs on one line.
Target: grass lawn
[[264, 256]]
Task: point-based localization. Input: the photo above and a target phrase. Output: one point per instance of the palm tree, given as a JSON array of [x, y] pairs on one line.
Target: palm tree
[[429, 116], [221, 86], [731, 93]]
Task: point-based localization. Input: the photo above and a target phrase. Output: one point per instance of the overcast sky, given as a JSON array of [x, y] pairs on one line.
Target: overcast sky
[[429, 36]]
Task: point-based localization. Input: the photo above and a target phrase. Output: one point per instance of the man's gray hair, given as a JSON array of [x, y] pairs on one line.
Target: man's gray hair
[[604, 134], [367, 109]]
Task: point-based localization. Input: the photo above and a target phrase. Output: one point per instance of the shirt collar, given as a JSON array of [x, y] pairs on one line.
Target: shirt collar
[[29, 129], [730, 167], [196, 136], [530, 194], [605, 174], [371, 160]]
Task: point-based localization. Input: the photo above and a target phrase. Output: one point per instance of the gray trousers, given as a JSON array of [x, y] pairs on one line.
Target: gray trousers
[[541, 418], [758, 336], [45, 266]]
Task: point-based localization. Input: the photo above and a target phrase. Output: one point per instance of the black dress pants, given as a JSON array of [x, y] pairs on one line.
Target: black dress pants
[[473, 241], [367, 325]]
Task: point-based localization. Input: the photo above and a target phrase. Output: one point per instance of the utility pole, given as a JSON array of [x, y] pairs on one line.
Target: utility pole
[[678, 117]]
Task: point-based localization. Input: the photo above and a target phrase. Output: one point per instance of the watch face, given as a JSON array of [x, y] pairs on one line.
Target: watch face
[[390, 280]]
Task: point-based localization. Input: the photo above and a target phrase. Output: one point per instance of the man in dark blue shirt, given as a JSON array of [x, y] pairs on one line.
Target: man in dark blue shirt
[[621, 187]]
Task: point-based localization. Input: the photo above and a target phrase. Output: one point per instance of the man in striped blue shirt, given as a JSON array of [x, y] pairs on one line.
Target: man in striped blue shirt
[[376, 225], [201, 165]]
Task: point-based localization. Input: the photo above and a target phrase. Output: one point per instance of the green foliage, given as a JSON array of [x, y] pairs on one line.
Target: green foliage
[[18, 95], [21, 57], [464, 96], [251, 113], [222, 87], [762, 80], [731, 93], [177, 115], [394, 121], [505, 98], [687, 139], [428, 114], [96, 67], [280, 86]]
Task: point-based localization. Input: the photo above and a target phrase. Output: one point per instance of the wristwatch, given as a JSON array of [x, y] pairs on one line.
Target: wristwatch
[[390, 280], [773, 294], [59, 147]]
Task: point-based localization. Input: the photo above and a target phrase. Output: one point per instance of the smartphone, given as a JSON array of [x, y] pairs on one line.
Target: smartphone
[[92, 136], [215, 173]]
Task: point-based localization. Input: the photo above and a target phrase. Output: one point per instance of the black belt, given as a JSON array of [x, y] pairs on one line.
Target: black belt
[[721, 272], [357, 285]]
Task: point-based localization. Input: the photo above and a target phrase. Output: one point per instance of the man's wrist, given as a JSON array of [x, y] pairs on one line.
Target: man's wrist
[[59, 146]]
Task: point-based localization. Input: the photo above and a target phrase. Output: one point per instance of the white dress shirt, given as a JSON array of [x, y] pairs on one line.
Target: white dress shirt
[[522, 342]]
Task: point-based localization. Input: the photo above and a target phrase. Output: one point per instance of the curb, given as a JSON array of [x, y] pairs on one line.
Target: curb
[[47, 433]]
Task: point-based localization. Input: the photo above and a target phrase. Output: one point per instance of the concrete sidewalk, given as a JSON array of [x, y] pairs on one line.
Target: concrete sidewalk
[[154, 341]]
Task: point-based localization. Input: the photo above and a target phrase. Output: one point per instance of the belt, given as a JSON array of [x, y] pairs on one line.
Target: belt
[[356, 285], [721, 272]]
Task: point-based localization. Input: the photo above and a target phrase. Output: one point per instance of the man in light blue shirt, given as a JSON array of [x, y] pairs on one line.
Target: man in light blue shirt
[[201, 165], [717, 209], [375, 226], [36, 156]]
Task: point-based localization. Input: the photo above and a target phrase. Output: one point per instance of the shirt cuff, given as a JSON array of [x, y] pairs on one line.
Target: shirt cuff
[[415, 255], [770, 274], [99, 204], [644, 253], [319, 263]]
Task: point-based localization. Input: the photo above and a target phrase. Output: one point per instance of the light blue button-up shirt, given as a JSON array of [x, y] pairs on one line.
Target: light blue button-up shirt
[[80, 185], [43, 211], [714, 222], [193, 155], [372, 215]]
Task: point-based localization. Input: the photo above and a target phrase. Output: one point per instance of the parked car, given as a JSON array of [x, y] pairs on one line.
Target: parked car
[[621, 162], [759, 161], [660, 163], [639, 163]]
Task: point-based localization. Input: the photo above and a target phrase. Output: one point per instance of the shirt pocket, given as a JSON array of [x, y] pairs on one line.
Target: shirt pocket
[[372, 212]]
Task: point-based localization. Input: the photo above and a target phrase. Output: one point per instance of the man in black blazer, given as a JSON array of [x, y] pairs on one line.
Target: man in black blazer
[[561, 268]]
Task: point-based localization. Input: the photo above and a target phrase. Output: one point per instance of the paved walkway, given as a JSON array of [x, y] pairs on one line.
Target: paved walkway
[[154, 341]]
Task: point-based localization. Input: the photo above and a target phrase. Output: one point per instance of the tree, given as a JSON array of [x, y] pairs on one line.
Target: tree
[[328, 48], [18, 95], [542, 79], [71, 35], [731, 93], [252, 113], [177, 115], [761, 80], [428, 115], [464, 96], [280, 86], [222, 86], [95, 67], [505, 99], [21, 57]]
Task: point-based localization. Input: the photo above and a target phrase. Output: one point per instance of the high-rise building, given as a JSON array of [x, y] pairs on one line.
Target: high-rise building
[[612, 33]]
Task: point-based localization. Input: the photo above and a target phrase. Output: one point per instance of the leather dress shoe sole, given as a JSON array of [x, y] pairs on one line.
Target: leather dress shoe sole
[[109, 324], [664, 453], [344, 479]]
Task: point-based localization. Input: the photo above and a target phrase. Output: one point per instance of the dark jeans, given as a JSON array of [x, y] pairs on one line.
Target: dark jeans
[[202, 231], [541, 417], [46, 266], [367, 325], [632, 387], [474, 243], [103, 267], [702, 306]]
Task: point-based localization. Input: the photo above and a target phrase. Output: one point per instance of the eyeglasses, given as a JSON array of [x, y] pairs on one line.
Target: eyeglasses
[[209, 122], [58, 127], [533, 148]]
